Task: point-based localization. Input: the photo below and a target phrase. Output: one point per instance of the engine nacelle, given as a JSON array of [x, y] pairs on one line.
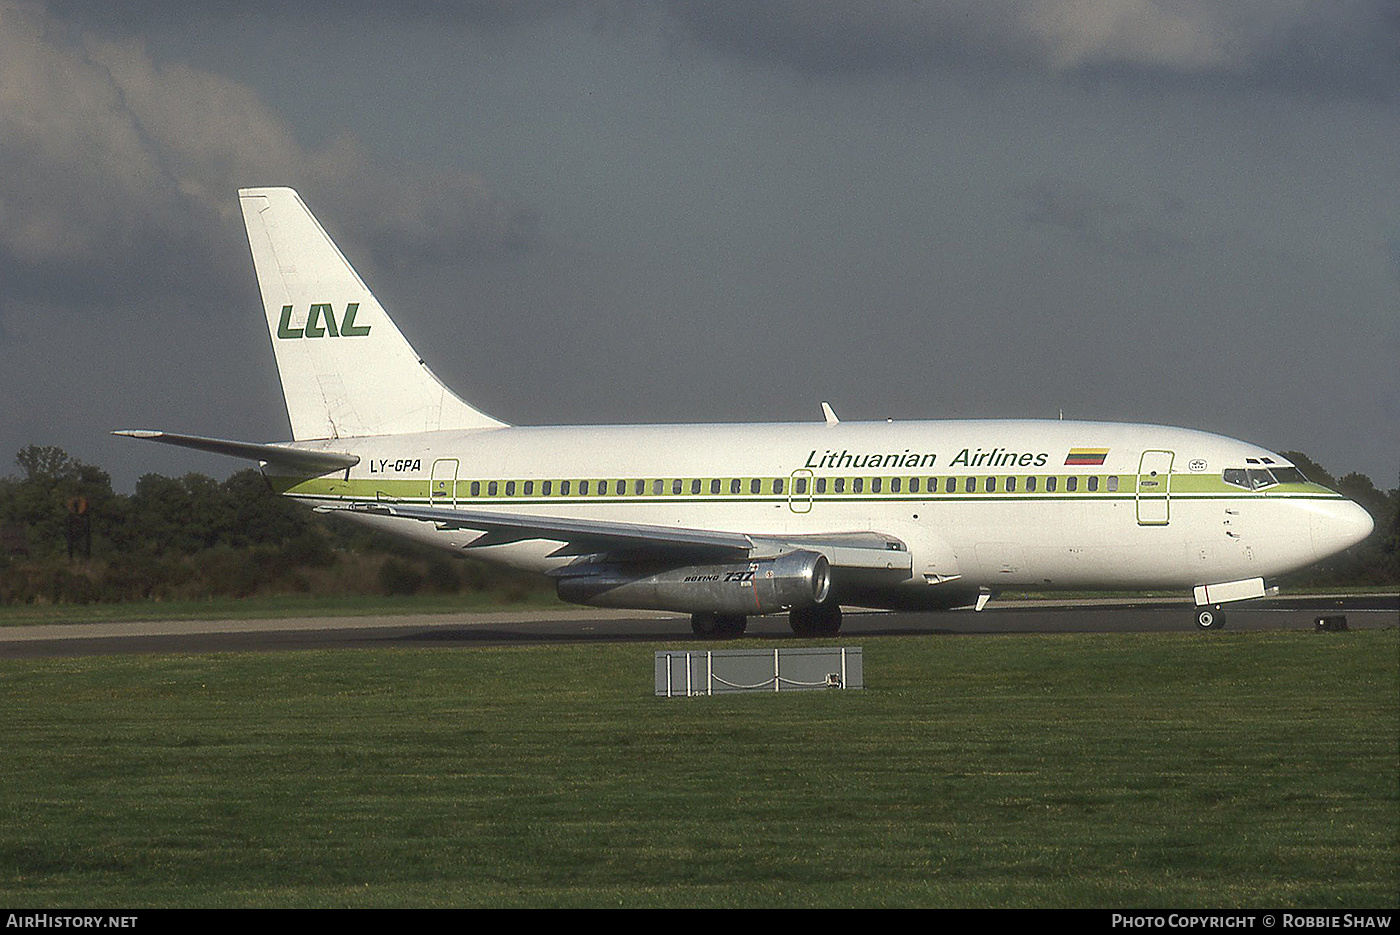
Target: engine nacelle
[[760, 586]]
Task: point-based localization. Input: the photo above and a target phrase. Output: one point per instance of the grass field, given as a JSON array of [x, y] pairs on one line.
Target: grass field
[[1238, 771], [272, 607]]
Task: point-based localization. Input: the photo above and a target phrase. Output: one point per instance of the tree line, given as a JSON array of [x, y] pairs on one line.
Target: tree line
[[67, 537]]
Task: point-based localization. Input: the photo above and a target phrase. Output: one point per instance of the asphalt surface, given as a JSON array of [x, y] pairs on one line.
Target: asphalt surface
[[590, 626]]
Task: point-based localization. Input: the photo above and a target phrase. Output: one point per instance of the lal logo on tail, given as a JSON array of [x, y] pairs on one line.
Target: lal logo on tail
[[320, 323]]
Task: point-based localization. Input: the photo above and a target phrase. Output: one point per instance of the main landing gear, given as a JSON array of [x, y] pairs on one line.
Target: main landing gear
[[818, 620], [821, 620], [718, 626], [1210, 618]]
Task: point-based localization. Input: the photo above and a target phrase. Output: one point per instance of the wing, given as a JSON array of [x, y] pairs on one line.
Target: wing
[[869, 550]]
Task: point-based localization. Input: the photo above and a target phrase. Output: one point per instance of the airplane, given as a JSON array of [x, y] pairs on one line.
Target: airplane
[[729, 521]]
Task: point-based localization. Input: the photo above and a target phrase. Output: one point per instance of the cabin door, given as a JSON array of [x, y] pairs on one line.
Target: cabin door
[[1154, 488], [442, 487]]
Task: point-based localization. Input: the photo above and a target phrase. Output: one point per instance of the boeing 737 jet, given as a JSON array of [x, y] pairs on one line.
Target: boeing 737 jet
[[725, 522]]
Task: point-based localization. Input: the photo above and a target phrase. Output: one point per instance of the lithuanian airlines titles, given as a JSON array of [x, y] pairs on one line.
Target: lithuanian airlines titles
[[725, 522]]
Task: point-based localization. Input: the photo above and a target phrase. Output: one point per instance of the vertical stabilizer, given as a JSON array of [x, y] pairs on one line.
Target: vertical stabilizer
[[346, 369]]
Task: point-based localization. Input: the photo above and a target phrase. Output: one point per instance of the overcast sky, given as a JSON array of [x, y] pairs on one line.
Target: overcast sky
[[1173, 211]]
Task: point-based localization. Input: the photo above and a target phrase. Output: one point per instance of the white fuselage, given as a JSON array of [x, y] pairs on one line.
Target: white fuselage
[[1158, 514]]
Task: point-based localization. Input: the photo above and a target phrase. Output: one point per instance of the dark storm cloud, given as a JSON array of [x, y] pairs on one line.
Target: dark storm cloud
[[145, 14], [1349, 48], [118, 173], [1342, 47], [1101, 223]]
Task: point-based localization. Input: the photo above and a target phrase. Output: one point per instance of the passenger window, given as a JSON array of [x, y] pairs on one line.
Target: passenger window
[[950, 485], [970, 485], [676, 487], [991, 485], [563, 488], [894, 485], [736, 486], [1011, 485], [857, 484], [799, 485], [491, 489], [840, 483], [1030, 483], [529, 487], [821, 485], [1093, 483], [583, 488], [510, 488], [476, 488], [1051, 483], [1071, 483], [755, 485], [777, 485], [913, 485], [639, 488], [547, 487], [875, 483], [1112, 483], [714, 485]]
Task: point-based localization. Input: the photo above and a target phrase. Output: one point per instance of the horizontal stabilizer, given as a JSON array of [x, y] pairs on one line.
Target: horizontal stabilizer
[[316, 462]]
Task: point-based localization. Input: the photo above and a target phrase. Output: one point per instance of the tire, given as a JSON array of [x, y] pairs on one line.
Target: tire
[[733, 624], [820, 620], [1210, 618], [706, 625], [718, 626]]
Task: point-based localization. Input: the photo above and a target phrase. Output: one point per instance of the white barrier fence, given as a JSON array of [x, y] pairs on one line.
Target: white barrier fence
[[686, 673]]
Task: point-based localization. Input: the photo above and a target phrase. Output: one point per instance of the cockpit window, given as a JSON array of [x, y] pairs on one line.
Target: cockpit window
[[1259, 478]]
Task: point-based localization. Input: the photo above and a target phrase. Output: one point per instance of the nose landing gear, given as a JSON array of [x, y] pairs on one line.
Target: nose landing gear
[[1210, 618]]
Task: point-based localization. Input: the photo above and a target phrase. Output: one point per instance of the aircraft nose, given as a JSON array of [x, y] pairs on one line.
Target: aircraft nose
[[1339, 525]]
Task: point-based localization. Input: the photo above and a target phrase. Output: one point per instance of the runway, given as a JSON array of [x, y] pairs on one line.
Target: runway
[[583, 626]]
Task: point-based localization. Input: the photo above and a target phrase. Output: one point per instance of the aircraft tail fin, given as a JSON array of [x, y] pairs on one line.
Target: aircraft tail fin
[[346, 369]]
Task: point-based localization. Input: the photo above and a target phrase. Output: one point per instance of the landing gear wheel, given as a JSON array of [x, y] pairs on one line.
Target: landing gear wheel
[[820, 620], [733, 624], [704, 624], [1210, 618], [718, 626]]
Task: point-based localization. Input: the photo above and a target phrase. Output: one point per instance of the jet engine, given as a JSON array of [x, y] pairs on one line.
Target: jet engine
[[757, 586]]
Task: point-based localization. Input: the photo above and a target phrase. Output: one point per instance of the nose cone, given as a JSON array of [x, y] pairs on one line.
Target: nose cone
[[1338, 525]]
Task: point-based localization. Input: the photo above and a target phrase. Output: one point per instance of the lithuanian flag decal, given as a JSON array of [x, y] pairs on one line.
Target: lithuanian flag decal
[[1086, 456]]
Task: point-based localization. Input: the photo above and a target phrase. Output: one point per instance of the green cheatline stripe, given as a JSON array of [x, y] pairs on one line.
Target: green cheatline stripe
[[801, 500], [1183, 487]]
